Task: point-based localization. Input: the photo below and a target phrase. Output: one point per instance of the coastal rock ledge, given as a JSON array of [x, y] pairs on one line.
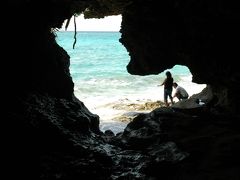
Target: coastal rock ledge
[[50, 134]]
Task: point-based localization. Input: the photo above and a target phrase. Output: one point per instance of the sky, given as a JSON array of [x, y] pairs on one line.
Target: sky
[[109, 23]]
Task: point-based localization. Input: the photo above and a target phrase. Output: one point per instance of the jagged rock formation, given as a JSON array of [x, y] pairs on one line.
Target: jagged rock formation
[[201, 35], [51, 135]]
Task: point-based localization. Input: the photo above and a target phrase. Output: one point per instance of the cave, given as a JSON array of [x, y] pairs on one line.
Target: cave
[[51, 134]]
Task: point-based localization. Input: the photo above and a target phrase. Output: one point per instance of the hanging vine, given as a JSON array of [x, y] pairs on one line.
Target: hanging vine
[[75, 32], [75, 29]]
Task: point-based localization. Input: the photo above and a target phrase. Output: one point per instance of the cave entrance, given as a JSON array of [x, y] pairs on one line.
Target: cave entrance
[[98, 68]]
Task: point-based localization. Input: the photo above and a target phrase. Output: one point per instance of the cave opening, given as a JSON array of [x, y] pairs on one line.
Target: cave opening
[[98, 69]]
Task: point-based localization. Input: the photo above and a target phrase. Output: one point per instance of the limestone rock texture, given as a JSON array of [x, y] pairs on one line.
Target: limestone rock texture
[[50, 134]]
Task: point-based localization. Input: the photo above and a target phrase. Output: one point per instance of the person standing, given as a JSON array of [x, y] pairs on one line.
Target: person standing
[[180, 92], [168, 84]]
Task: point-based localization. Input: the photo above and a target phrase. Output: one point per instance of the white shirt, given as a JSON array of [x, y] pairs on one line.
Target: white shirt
[[181, 91]]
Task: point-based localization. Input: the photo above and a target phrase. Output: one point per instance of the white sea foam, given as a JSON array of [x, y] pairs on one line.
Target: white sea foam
[[103, 104]]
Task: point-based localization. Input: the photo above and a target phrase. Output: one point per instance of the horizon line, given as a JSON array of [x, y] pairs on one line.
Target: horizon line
[[85, 31]]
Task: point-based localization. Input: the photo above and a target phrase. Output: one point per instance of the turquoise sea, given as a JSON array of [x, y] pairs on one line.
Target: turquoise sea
[[98, 68]]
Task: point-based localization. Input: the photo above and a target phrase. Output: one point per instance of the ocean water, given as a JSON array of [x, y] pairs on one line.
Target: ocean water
[[98, 68]]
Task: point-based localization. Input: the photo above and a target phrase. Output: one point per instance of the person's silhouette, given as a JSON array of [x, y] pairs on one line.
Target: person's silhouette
[[180, 92], [168, 84]]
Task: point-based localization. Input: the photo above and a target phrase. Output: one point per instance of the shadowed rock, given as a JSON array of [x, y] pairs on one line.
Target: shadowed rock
[[52, 135]]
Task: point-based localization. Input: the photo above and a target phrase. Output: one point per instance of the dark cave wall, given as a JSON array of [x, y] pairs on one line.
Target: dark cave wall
[[162, 34], [41, 116], [202, 35], [35, 60], [50, 134]]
